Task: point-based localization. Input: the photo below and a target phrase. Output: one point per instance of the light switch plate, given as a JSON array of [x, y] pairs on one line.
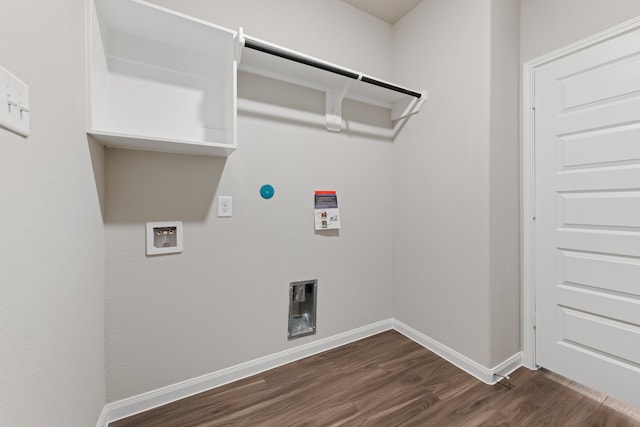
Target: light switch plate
[[14, 103], [225, 207]]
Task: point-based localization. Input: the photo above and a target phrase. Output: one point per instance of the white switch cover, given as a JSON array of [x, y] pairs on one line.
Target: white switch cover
[[224, 207], [14, 103]]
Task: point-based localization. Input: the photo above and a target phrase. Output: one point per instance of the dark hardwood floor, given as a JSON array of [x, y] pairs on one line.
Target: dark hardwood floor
[[386, 380]]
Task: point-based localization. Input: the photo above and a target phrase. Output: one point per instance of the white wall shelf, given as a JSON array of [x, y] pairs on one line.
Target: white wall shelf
[[158, 80], [277, 62]]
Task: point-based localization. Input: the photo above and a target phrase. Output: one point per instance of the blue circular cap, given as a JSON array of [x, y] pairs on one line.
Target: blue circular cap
[[266, 191]]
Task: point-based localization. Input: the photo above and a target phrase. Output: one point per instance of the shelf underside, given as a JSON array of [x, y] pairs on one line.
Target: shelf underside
[[138, 142]]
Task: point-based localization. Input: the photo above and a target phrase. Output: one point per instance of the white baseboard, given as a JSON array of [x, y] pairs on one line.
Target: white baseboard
[[143, 402], [484, 374], [102, 421]]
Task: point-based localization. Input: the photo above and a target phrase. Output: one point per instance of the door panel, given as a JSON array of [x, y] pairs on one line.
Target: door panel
[[603, 148], [599, 335], [598, 241], [587, 234], [601, 209], [583, 87], [615, 273]]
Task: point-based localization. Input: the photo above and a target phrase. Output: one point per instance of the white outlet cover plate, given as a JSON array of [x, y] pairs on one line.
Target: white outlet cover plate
[[152, 249], [225, 207]]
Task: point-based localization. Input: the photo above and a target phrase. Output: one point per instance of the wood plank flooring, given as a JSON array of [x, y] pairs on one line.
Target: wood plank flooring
[[386, 380]]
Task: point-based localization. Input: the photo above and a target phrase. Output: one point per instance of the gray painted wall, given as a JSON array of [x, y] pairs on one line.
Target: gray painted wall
[[504, 183], [548, 25], [450, 233], [172, 318], [52, 245], [456, 275], [224, 300]]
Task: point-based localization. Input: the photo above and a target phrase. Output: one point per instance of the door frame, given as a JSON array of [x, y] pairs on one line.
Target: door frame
[[527, 167]]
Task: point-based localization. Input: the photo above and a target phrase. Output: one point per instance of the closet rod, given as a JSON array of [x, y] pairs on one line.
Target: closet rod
[[292, 56]]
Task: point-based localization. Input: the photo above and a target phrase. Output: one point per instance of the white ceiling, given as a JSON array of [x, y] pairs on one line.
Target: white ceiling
[[387, 10]]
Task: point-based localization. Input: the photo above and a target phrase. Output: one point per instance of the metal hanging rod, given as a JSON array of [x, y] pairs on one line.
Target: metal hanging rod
[[312, 62]]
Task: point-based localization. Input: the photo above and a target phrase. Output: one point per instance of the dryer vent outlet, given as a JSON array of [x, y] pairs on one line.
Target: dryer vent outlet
[[302, 308]]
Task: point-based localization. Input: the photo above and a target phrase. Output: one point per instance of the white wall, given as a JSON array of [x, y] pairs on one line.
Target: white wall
[[548, 25], [441, 162], [455, 212], [328, 29], [224, 300], [453, 181], [172, 318], [504, 182], [52, 245]]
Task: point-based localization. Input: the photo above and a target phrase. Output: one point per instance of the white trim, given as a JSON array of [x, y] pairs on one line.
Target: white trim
[[527, 166], [528, 177], [484, 374], [102, 421], [152, 399], [145, 401]]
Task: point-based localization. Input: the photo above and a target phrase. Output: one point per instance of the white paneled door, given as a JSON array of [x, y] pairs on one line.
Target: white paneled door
[[587, 208]]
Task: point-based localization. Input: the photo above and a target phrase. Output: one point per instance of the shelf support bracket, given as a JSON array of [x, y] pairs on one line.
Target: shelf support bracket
[[407, 107], [333, 104], [238, 45]]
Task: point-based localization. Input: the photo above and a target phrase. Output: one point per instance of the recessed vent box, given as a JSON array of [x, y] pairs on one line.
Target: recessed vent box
[[302, 308]]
